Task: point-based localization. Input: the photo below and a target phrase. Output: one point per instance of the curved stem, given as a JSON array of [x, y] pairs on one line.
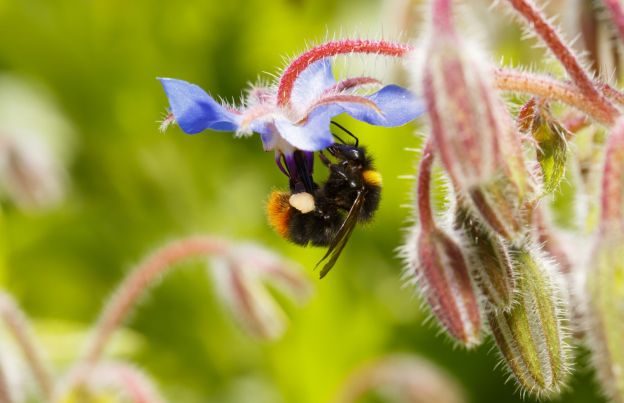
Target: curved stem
[[129, 291], [329, 49], [17, 324], [567, 58], [423, 190], [552, 89]]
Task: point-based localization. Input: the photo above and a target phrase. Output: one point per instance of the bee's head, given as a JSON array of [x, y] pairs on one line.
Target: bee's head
[[348, 152]]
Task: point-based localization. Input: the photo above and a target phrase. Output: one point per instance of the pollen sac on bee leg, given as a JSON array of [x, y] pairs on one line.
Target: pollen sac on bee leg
[[487, 256], [531, 335], [442, 274]]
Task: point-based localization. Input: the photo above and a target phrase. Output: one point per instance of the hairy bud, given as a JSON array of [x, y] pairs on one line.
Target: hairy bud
[[240, 279], [531, 336], [605, 315], [412, 379], [500, 207], [471, 129], [488, 258], [604, 285], [442, 274]]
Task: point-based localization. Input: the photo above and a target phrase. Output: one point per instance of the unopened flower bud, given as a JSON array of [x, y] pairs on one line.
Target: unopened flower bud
[[531, 336], [442, 273], [472, 130], [604, 290], [240, 279], [488, 258], [412, 379], [500, 207]]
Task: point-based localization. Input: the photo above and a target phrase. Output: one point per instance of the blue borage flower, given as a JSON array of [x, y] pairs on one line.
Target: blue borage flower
[[304, 124]]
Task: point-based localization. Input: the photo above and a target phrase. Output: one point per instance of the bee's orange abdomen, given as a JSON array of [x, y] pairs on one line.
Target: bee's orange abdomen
[[278, 212]]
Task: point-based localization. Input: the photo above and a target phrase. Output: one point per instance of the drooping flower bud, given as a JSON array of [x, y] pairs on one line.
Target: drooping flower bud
[[240, 279], [605, 315], [604, 285], [108, 381], [411, 379], [442, 274], [501, 207], [35, 144], [438, 264], [531, 336], [488, 258], [471, 128]]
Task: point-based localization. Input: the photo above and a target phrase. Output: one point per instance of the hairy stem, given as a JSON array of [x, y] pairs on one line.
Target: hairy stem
[[552, 89], [17, 324], [137, 283], [551, 38], [329, 49], [423, 191]]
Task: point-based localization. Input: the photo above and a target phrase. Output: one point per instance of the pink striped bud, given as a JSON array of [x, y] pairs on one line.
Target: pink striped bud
[[241, 280], [501, 207], [472, 131], [440, 269], [407, 378]]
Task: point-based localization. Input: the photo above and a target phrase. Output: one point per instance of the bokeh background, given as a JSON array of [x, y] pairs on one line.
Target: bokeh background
[[130, 188]]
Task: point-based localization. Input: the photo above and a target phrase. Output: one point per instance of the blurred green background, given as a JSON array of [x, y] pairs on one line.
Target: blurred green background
[[133, 188]]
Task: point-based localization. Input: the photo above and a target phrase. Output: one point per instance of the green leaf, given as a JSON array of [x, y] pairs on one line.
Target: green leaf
[[552, 149]]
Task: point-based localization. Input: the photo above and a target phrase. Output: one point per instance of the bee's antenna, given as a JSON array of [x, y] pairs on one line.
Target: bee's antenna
[[357, 141], [338, 138]]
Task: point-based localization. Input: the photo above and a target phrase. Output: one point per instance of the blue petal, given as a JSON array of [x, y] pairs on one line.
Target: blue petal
[[195, 110], [312, 136], [312, 82], [398, 107]]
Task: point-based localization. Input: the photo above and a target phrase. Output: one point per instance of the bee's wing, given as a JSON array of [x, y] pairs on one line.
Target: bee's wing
[[342, 236]]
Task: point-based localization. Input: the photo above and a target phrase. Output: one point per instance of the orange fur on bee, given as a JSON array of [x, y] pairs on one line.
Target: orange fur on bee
[[278, 211], [372, 177]]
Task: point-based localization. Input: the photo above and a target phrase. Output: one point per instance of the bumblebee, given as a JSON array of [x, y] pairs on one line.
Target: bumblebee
[[327, 215]]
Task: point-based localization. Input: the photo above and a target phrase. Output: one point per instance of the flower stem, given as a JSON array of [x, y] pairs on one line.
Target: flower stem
[[17, 324], [129, 291], [567, 58], [617, 15], [423, 190], [550, 88], [611, 198], [329, 49]]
